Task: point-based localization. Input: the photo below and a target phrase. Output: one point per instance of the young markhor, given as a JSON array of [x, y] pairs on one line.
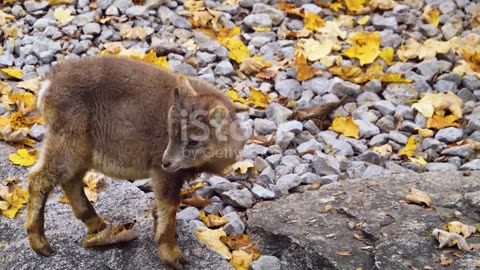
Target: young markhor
[[130, 120]]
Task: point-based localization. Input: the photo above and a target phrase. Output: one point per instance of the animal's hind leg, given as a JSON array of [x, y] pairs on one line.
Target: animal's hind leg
[[80, 205], [62, 159]]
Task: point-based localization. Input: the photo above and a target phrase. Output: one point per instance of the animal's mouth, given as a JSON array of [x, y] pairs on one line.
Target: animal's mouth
[[171, 167]]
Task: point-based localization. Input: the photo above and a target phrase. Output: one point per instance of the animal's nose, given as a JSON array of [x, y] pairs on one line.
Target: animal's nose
[[166, 164]]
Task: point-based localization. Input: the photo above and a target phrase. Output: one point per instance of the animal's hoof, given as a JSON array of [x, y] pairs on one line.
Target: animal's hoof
[[40, 245], [172, 256]]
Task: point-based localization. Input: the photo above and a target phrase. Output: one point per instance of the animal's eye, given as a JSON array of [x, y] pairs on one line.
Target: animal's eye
[[193, 143]]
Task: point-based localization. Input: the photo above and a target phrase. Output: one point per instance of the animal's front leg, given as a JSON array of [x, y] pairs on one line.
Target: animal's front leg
[[167, 200]]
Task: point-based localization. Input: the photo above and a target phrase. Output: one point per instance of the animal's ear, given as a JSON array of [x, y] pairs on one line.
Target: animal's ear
[[217, 115], [184, 87]]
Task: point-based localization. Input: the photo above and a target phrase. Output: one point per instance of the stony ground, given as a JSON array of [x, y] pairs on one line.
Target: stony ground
[[288, 155]]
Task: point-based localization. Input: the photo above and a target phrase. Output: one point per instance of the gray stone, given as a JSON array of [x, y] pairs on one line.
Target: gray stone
[[265, 263], [367, 99], [6, 59], [137, 11], [45, 50], [325, 165], [374, 86], [253, 150], [419, 82], [319, 85], [452, 28], [340, 148], [184, 69], [235, 225], [370, 157], [32, 6], [440, 167], [289, 181], [311, 145], [187, 214], [268, 175], [357, 145], [428, 68], [224, 68], [374, 170], [311, 127], [429, 30], [290, 161], [366, 129], [195, 225], [112, 11], [37, 132], [386, 123], [400, 93], [473, 165], [466, 95], [213, 208], [445, 86], [122, 5], [430, 143], [258, 20], [274, 160], [180, 22], [471, 82], [260, 192], [282, 170], [449, 134], [104, 4], [378, 140], [289, 88], [238, 198], [91, 29], [385, 107], [277, 113], [453, 77], [398, 137], [310, 178], [342, 88], [290, 126], [275, 15], [220, 184], [381, 22], [264, 126], [463, 151], [3, 110]]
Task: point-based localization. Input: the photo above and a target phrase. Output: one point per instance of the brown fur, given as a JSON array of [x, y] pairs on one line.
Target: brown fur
[[124, 118]]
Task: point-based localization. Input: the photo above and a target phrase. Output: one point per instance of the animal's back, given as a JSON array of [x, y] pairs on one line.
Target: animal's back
[[121, 105]]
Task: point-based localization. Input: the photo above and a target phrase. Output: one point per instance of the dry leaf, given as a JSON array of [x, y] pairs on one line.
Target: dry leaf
[[460, 228], [426, 133], [346, 126], [450, 239], [23, 157], [387, 55], [383, 149], [192, 188], [197, 201], [212, 220], [13, 72], [255, 64], [431, 47], [243, 166], [241, 242], [32, 84], [444, 261], [420, 161], [312, 21], [409, 149], [14, 197], [238, 50], [59, 2], [345, 253], [315, 50], [437, 103], [431, 15], [241, 259], [212, 239], [409, 51], [418, 197], [26, 102], [129, 32], [354, 6], [382, 4], [366, 47], [440, 122], [111, 235], [63, 16], [315, 186], [364, 20]]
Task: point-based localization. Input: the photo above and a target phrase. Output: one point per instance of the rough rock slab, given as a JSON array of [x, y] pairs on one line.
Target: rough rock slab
[[298, 230], [121, 202]]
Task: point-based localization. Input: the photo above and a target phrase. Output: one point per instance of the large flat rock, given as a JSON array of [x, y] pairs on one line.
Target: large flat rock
[[121, 202], [395, 234]]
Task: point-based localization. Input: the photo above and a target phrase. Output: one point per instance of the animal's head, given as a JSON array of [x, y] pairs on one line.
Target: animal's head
[[203, 131]]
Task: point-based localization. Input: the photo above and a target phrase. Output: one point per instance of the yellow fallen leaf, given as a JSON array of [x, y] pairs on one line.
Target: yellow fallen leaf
[[418, 197], [409, 51], [431, 15], [387, 55], [241, 259], [258, 98], [355, 6], [111, 235], [312, 21], [197, 201], [437, 103], [426, 133], [192, 188], [366, 47], [243, 166], [32, 84], [212, 220], [13, 72], [26, 102], [59, 2], [420, 161], [63, 16], [409, 149], [315, 50], [349, 73], [346, 126], [212, 239], [24, 157], [382, 4], [255, 64], [304, 70], [5, 17], [238, 50], [460, 228], [364, 20], [14, 198], [235, 97], [332, 29], [431, 47], [9, 31], [152, 58], [440, 122], [383, 149]]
